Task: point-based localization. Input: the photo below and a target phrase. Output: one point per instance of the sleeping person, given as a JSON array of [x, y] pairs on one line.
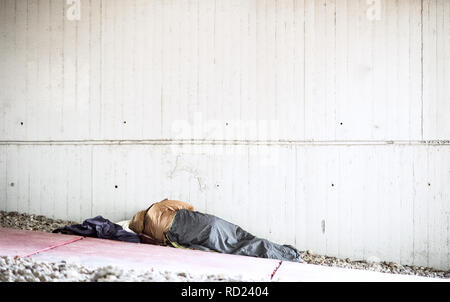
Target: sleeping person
[[172, 222]]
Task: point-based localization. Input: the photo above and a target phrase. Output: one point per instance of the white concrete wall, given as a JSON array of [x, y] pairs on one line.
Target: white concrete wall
[[140, 100]]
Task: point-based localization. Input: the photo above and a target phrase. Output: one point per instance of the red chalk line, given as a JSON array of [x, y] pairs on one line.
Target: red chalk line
[[276, 269], [52, 247]]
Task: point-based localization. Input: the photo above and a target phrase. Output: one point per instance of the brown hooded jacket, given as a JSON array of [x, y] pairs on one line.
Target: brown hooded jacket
[[155, 222]]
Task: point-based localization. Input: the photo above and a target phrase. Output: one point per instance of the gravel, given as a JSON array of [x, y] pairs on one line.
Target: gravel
[[375, 265], [14, 220], [26, 269], [14, 269]]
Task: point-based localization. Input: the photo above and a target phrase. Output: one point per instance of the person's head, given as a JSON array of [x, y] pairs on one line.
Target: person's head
[[137, 222]]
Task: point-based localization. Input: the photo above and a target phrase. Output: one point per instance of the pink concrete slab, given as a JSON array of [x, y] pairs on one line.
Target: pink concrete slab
[[21, 243], [300, 272], [93, 252]]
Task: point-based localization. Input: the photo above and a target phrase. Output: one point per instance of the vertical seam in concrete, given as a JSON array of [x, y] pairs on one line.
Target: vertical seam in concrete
[[92, 178], [304, 69], [413, 216], [421, 67], [448, 239], [161, 101], [77, 54], [7, 183], [90, 69], [101, 72], [27, 98], [63, 69]]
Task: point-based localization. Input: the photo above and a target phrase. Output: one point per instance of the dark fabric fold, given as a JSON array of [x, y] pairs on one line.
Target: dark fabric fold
[[99, 227]]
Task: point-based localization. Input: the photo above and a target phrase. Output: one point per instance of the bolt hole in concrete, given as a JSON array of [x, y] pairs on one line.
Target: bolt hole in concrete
[[116, 186], [21, 123], [12, 184], [124, 122], [429, 184], [332, 185]]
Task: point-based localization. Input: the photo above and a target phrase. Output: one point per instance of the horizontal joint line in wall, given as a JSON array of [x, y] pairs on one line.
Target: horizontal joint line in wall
[[225, 142]]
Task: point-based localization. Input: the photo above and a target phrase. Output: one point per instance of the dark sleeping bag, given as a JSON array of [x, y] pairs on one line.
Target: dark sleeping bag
[[209, 233], [99, 227]]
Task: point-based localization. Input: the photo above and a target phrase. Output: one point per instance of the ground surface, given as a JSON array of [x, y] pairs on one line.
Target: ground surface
[[29, 270], [26, 269]]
